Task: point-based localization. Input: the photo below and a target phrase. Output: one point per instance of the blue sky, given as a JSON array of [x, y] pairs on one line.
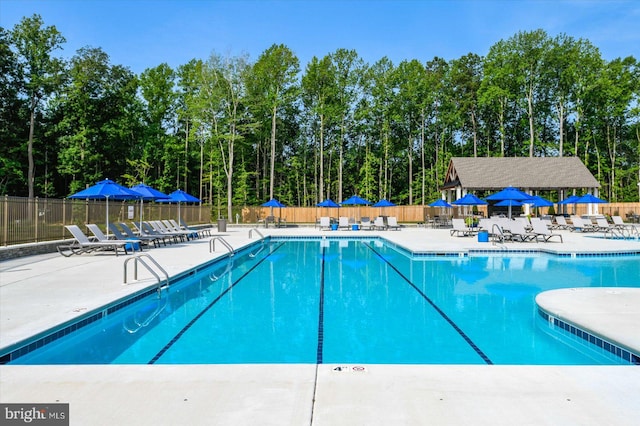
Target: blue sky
[[141, 34]]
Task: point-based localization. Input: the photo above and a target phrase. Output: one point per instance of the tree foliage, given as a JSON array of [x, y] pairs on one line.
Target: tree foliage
[[236, 132]]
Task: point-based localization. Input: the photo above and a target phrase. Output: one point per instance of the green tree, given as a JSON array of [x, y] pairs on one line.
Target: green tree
[[318, 96], [12, 129], [41, 73], [272, 85]]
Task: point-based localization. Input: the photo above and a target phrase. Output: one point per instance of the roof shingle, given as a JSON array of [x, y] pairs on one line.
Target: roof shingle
[[543, 173]]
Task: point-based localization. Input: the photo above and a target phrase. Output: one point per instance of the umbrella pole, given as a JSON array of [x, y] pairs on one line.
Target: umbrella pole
[[107, 217], [141, 212]]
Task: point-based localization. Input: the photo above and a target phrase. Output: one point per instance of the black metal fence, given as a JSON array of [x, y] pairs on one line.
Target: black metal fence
[[27, 220]]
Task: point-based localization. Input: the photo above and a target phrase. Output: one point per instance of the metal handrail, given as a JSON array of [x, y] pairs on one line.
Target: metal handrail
[[212, 245], [257, 232], [138, 259], [497, 235], [147, 321]]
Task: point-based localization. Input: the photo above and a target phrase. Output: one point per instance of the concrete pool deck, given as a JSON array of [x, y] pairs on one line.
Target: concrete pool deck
[[39, 292]]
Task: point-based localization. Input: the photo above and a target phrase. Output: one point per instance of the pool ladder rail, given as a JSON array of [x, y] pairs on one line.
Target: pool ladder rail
[[212, 245], [252, 230], [139, 259]]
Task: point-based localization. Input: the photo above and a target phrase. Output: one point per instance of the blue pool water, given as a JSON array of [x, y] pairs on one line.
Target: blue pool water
[[348, 301]]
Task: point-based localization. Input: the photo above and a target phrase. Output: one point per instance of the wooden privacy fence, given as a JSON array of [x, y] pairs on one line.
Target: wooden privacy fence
[[24, 220], [409, 214]]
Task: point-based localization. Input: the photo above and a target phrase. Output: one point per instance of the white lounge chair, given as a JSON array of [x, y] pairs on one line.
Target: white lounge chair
[[82, 244], [580, 225], [343, 223], [325, 223], [392, 223], [541, 231], [517, 232], [379, 224], [365, 224], [602, 225], [561, 223], [461, 229]]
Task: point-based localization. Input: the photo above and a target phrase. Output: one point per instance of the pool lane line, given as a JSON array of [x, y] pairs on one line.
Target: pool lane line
[[320, 348], [467, 339], [209, 306]]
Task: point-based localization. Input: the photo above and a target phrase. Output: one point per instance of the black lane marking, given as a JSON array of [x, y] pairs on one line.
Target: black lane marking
[[209, 306], [321, 313], [482, 355]]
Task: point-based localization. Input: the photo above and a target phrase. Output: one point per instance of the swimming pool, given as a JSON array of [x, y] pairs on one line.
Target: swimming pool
[[347, 301]]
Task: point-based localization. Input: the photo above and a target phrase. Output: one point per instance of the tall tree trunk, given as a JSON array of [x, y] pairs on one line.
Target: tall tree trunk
[[410, 177], [321, 183], [531, 126], [561, 124], [31, 172], [273, 151], [422, 160]]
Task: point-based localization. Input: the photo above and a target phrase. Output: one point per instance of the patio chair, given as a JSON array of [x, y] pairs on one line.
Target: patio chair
[[517, 233], [148, 229], [620, 224], [203, 232], [158, 226], [82, 244], [365, 224], [120, 236], [561, 223], [392, 223], [602, 225], [141, 235], [461, 229], [174, 227], [97, 232], [325, 223], [343, 223], [379, 224], [541, 231], [580, 225]]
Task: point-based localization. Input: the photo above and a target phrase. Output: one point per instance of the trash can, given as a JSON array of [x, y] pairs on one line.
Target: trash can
[[355, 227], [334, 226], [222, 225], [483, 236]]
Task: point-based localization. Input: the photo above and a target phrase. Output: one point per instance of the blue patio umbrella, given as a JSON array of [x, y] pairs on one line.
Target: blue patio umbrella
[[179, 196], [589, 199], [147, 193], [509, 203], [328, 203], [440, 203], [354, 200], [569, 200], [469, 200], [538, 201], [106, 190], [509, 193], [384, 203], [273, 203]]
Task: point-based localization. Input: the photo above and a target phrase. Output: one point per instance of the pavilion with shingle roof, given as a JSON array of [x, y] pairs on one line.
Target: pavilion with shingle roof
[[530, 174]]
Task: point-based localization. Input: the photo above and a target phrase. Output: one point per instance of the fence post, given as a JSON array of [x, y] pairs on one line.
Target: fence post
[[35, 219], [5, 224]]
